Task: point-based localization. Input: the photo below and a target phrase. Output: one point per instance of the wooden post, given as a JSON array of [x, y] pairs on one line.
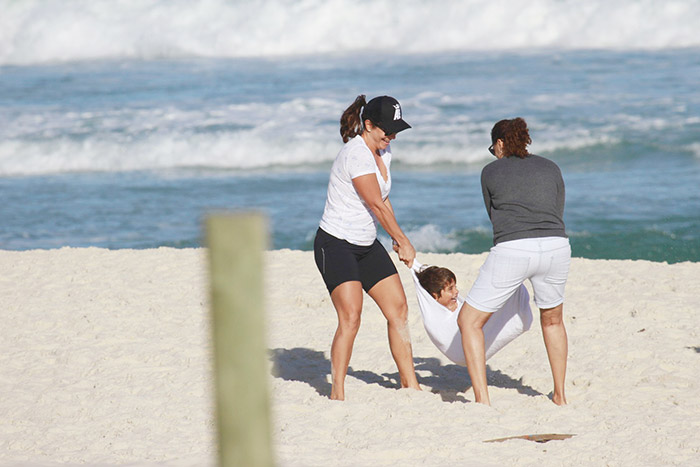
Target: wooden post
[[236, 244]]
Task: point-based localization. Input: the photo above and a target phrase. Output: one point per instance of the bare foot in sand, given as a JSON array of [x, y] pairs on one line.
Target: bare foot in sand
[[559, 399], [337, 394]]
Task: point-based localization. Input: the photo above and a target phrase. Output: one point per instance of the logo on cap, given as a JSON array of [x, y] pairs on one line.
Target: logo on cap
[[397, 112]]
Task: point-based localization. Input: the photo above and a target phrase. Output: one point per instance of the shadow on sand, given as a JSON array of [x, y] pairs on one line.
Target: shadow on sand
[[449, 381]]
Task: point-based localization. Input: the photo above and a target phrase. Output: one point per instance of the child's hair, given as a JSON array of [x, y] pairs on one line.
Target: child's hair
[[434, 279]]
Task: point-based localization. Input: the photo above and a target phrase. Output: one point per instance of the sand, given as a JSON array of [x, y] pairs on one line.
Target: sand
[[105, 360]]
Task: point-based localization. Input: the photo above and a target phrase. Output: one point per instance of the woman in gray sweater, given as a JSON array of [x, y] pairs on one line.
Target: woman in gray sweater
[[524, 197]]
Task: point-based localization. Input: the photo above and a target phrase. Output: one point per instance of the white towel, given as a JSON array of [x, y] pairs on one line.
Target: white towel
[[513, 319]]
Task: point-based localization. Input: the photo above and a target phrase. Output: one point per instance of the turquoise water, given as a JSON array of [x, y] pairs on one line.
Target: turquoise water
[[134, 153]]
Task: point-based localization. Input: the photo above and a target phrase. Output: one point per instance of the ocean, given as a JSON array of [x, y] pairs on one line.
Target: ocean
[[123, 124]]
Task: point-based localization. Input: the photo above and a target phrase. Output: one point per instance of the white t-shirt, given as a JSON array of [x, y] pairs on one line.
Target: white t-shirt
[[346, 215]]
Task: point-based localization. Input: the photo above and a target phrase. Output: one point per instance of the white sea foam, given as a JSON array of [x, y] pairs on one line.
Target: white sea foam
[[241, 136], [427, 238], [39, 31], [227, 150], [695, 149], [299, 132], [145, 139]]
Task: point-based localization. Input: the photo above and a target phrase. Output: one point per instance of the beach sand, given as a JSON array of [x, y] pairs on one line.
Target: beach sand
[[105, 360]]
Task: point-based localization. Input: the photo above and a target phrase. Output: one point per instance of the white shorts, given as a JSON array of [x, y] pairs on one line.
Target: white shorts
[[545, 261]]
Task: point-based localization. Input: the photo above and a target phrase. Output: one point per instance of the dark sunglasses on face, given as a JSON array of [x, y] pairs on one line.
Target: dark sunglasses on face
[[388, 135], [491, 150]]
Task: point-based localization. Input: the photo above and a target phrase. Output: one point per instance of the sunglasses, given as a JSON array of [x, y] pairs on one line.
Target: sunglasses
[[388, 135], [491, 150]]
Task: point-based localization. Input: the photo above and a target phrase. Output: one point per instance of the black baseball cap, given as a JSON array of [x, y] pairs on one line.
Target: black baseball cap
[[385, 112]]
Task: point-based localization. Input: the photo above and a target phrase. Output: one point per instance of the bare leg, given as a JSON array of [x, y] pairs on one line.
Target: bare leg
[[391, 299], [347, 299], [556, 342], [471, 322]]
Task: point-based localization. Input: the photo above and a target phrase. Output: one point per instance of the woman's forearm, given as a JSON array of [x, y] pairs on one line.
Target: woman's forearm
[[402, 245], [384, 213], [368, 189]]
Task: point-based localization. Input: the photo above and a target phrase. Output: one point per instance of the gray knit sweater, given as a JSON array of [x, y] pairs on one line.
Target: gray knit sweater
[[524, 198]]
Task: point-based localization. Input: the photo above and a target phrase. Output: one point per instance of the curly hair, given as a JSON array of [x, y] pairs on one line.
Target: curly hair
[[433, 279], [350, 121], [514, 134]]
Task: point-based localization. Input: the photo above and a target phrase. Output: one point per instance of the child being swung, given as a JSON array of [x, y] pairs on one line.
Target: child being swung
[[441, 283]]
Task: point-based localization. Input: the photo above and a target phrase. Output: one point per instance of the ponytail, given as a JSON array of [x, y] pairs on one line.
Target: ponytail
[[350, 121], [515, 136]]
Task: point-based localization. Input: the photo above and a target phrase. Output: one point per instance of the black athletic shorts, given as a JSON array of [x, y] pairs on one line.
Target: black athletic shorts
[[340, 261]]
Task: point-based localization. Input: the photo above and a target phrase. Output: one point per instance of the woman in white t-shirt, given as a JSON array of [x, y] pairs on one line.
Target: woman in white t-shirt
[[346, 249]]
